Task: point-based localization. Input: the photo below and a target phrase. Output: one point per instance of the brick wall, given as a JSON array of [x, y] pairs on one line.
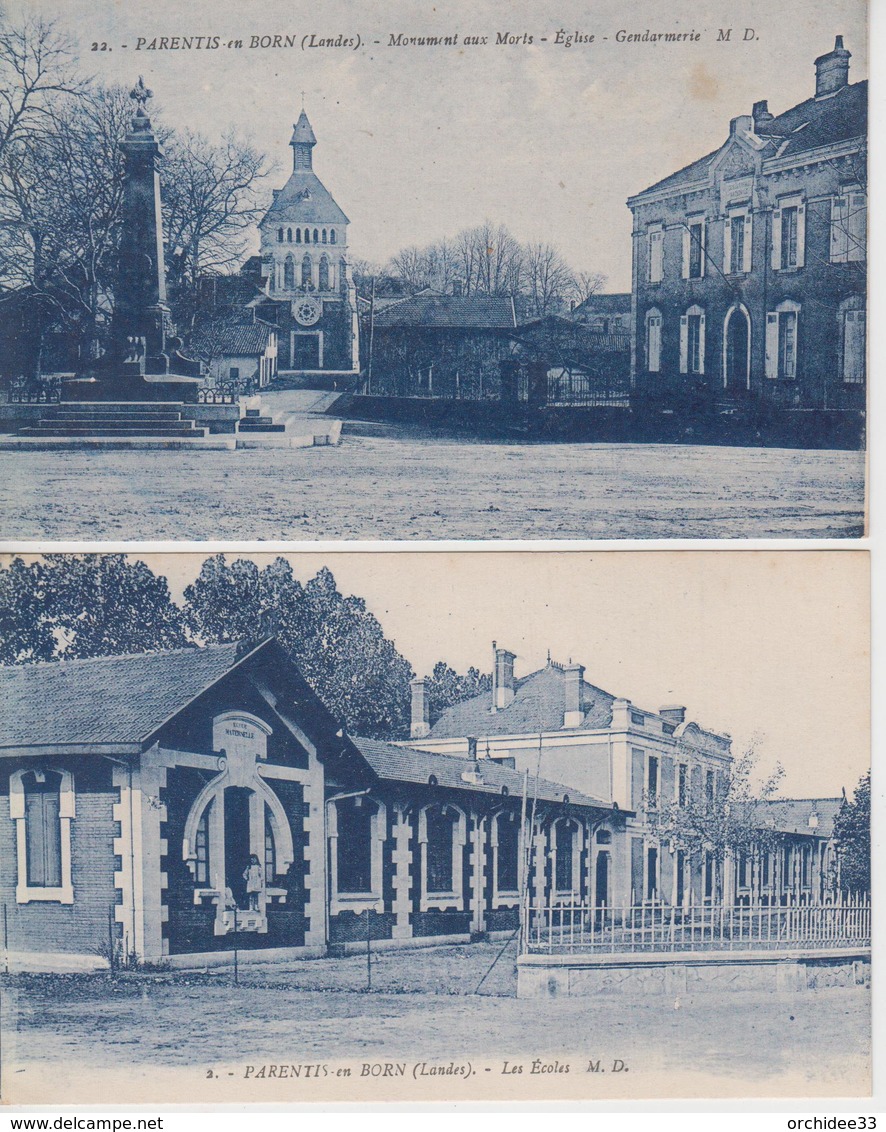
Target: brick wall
[[82, 927]]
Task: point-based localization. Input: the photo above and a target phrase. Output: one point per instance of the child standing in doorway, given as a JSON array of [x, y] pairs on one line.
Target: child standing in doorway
[[254, 882]]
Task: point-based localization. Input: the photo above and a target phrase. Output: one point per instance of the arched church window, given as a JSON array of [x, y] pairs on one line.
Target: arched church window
[[298, 235], [289, 274], [289, 235], [279, 235], [332, 236], [306, 272], [324, 274], [324, 235], [316, 234]]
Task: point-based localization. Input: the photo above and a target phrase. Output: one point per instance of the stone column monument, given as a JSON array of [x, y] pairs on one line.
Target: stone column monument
[[142, 362]]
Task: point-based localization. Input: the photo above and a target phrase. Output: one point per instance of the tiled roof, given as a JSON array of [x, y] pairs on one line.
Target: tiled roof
[[458, 312], [791, 815], [108, 700], [405, 764], [538, 705], [244, 339], [304, 199], [807, 126]]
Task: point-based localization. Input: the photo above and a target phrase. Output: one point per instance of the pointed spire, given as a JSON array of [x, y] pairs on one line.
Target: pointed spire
[[302, 142]]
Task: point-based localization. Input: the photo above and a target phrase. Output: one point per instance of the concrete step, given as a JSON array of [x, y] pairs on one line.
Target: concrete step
[[260, 424], [48, 428], [98, 408], [112, 418]]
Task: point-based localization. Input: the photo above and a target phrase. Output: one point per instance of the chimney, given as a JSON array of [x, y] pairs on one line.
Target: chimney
[[502, 678], [573, 677], [673, 713], [421, 718], [832, 70], [472, 774], [760, 113], [744, 123]]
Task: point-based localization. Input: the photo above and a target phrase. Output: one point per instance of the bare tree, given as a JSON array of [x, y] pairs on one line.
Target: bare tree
[[585, 284], [411, 265], [211, 200], [548, 279], [36, 67]]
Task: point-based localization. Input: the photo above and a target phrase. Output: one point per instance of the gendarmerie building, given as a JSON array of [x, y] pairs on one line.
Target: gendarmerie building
[[749, 265], [310, 290]]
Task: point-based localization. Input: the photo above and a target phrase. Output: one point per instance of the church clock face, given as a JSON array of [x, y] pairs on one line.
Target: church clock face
[[307, 311]]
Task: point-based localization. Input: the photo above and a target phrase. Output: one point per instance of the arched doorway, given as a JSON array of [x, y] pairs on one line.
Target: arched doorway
[[737, 351]]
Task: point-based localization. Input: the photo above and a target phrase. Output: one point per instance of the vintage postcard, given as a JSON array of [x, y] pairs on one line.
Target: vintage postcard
[[432, 826], [476, 271]]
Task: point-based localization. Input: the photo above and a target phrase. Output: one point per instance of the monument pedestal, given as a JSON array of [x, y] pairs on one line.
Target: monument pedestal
[[161, 387]]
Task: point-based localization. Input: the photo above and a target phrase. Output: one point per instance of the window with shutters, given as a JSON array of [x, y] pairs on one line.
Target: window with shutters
[[44, 842], [653, 341], [737, 242], [782, 326], [849, 227], [853, 338], [692, 341], [41, 802], [789, 234], [655, 252], [694, 248]]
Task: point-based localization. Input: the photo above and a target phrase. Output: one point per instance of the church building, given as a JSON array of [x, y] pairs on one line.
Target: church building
[[309, 287]]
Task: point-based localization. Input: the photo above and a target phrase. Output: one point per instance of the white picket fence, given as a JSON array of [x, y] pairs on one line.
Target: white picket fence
[[572, 926]]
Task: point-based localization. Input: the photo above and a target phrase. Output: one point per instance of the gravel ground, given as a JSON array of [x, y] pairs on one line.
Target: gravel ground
[[410, 487], [190, 1036]]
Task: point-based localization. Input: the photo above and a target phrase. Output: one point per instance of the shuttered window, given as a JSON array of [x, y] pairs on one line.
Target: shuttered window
[[43, 831], [656, 254], [653, 342], [853, 347]]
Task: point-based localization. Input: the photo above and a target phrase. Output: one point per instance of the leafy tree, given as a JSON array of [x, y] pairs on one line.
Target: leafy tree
[[338, 645], [69, 606], [26, 623], [852, 833], [447, 687], [730, 821]]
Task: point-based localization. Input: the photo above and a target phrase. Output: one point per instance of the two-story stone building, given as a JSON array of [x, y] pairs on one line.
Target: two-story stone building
[[749, 265]]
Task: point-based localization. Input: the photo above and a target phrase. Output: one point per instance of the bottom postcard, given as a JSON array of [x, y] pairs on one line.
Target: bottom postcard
[[434, 826]]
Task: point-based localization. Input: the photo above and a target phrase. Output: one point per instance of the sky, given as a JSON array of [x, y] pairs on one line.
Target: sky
[[417, 143], [754, 643]]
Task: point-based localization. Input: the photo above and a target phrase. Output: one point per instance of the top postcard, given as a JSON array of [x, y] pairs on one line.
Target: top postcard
[[477, 271]]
